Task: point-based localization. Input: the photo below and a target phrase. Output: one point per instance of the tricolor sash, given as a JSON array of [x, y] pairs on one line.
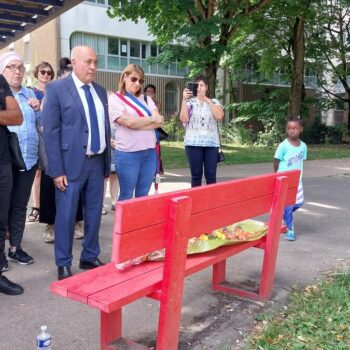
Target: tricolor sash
[[135, 104]]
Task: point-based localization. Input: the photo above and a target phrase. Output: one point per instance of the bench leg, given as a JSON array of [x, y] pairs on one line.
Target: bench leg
[[272, 238], [219, 277], [111, 327], [174, 274], [268, 270], [219, 274]]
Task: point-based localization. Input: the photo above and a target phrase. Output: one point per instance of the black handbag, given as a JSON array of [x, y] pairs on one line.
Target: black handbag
[[221, 156], [162, 134], [15, 151]]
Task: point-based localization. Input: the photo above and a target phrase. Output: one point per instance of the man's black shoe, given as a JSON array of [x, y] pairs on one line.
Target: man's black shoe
[[90, 264], [9, 288], [64, 272]]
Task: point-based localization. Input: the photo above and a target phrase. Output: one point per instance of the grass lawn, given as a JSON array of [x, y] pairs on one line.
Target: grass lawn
[[316, 319], [174, 157]]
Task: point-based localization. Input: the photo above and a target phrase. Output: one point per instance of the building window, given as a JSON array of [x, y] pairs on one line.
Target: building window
[[171, 98], [100, 2], [116, 53], [97, 42], [113, 46]]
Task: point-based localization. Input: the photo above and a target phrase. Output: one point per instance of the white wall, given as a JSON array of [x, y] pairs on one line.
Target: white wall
[[91, 18]]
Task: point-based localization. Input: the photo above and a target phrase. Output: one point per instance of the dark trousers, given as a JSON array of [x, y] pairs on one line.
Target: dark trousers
[[90, 183], [48, 204], [5, 197], [199, 157], [22, 185]]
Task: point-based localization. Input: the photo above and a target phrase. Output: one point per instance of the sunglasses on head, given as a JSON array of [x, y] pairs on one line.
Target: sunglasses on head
[[47, 72], [134, 80]]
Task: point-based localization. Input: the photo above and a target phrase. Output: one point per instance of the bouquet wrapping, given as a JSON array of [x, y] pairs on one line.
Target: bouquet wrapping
[[244, 231]]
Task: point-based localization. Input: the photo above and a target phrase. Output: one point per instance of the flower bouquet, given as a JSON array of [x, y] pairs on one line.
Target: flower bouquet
[[244, 231], [248, 230]]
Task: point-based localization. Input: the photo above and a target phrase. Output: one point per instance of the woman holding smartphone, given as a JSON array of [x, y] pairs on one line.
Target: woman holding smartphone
[[200, 115]]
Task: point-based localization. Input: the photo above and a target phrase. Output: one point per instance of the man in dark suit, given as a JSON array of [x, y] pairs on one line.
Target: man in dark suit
[[76, 137]]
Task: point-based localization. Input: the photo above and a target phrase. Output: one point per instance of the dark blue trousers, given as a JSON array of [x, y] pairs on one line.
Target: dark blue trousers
[[90, 184], [199, 158]]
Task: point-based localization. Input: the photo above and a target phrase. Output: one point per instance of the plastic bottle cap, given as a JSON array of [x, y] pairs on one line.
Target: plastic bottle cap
[[43, 328]]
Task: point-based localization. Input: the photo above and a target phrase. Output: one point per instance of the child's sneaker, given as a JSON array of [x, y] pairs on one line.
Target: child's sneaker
[[290, 234]]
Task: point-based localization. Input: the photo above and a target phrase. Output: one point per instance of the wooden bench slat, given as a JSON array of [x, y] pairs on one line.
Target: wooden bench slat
[[197, 262], [202, 198], [80, 280], [81, 286], [122, 293], [148, 239]]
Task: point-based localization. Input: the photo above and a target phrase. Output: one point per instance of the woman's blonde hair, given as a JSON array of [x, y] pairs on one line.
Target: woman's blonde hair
[[128, 70]]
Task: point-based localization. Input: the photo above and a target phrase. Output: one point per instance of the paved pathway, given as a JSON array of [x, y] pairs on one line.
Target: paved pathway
[[210, 320]]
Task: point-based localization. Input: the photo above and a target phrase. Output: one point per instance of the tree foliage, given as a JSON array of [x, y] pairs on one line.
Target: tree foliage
[[273, 44], [194, 32], [331, 44]]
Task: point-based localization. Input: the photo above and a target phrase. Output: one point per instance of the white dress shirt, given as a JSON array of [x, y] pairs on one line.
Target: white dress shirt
[[99, 111]]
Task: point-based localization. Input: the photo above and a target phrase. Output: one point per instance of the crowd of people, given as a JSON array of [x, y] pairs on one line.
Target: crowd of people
[[67, 129], [75, 136]]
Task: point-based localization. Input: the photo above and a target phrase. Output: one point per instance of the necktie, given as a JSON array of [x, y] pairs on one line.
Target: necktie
[[95, 134]]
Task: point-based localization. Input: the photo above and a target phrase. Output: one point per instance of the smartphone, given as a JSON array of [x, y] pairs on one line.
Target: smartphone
[[193, 87]]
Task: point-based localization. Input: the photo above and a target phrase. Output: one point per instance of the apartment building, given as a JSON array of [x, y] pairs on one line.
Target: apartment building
[[116, 44]]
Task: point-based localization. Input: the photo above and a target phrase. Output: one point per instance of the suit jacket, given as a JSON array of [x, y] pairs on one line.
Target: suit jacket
[[66, 129]]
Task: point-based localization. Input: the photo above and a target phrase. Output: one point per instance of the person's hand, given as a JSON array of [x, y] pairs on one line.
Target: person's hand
[[159, 119], [61, 182], [34, 103], [187, 94], [113, 143]]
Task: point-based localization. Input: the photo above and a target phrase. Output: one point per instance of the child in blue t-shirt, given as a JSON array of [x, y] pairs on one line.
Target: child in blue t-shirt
[[290, 155]]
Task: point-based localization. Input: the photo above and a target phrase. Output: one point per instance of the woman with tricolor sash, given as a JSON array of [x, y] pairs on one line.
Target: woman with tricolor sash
[[135, 137]]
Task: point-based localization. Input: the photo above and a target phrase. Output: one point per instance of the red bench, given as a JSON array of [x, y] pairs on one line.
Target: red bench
[[167, 221]]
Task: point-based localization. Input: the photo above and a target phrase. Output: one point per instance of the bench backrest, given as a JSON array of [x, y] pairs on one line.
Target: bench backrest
[[141, 224]]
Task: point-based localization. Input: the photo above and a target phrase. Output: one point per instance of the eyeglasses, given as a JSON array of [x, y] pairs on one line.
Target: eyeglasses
[[13, 68], [47, 72], [134, 80]]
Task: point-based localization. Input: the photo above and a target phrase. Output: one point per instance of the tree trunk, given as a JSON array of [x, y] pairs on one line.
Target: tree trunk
[[297, 85], [348, 106], [210, 73]]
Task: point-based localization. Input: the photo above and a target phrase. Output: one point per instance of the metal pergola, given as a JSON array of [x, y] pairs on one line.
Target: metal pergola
[[20, 17]]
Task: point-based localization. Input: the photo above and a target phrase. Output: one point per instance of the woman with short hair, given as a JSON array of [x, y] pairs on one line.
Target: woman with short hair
[[44, 73]]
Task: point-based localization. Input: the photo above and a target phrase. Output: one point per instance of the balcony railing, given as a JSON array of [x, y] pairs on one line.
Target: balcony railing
[[253, 77]]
